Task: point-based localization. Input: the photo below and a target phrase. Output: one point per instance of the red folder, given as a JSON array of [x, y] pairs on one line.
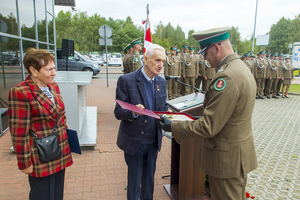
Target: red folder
[[133, 108]]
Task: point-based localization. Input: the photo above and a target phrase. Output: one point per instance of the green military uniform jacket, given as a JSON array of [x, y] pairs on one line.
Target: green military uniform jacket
[[272, 69], [190, 66], [260, 68], [209, 72], [287, 72], [134, 61], [125, 66], [172, 66], [227, 148], [181, 56]]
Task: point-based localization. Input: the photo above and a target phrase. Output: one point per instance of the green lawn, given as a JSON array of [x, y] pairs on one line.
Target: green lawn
[[295, 88]]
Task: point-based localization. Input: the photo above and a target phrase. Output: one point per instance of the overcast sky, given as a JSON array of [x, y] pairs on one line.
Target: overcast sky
[[197, 15]]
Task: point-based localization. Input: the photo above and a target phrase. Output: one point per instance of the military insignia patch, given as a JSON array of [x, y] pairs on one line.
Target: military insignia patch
[[136, 59], [220, 84]]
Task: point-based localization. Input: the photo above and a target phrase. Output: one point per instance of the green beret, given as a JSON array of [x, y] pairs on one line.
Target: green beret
[[173, 48], [137, 41], [211, 36], [262, 52], [191, 48]]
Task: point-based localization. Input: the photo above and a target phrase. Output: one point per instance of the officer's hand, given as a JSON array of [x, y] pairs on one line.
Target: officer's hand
[[165, 124]]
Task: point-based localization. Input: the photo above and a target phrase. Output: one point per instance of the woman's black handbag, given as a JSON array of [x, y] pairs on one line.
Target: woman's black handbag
[[48, 147]]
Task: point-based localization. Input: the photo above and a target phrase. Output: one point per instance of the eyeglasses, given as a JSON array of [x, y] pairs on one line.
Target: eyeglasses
[[204, 52]]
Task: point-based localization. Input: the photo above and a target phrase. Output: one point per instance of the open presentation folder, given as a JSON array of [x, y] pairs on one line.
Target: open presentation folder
[[156, 114], [73, 141]]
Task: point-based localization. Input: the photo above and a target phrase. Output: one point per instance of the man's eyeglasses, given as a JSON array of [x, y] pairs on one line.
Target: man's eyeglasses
[[204, 52]]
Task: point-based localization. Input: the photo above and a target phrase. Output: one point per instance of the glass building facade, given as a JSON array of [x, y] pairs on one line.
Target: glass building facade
[[23, 24]]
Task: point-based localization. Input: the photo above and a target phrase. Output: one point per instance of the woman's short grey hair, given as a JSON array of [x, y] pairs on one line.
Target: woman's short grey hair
[[151, 48]]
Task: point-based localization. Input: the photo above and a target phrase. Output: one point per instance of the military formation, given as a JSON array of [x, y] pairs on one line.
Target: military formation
[[271, 73]]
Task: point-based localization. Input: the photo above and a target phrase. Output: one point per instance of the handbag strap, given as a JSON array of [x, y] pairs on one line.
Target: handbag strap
[[53, 131]]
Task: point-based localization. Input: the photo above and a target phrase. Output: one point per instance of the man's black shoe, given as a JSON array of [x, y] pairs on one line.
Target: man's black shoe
[[278, 95], [269, 97], [275, 97], [256, 97], [261, 98]]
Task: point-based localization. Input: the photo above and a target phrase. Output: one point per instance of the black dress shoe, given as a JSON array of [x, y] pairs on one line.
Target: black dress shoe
[[268, 97], [278, 95], [287, 97], [261, 98], [275, 97], [256, 97]]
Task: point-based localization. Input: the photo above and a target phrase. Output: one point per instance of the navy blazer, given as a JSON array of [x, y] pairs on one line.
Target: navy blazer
[[130, 88]]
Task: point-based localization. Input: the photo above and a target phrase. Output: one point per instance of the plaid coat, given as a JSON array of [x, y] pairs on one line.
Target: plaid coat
[[30, 108]]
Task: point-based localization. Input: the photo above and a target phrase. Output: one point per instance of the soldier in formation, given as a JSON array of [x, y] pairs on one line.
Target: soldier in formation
[[134, 62], [190, 68]]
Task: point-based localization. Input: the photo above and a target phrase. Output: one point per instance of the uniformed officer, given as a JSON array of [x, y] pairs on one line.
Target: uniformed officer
[[288, 76], [208, 75], [280, 71], [172, 67], [190, 68], [134, 62], [127, 51], [272, 73], [260, 74], [267, 80], [248, 63], [181, 87], [227, 149], [177, 53], [201, 71]]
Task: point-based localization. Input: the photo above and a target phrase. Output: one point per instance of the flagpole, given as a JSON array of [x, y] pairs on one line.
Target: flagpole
[[146, 24]]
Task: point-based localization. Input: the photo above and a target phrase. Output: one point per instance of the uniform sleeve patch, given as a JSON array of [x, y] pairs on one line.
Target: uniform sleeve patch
[[136, 59], [220, 84]]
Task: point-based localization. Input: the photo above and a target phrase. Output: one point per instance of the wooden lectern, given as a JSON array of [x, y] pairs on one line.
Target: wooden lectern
[[187, 178]]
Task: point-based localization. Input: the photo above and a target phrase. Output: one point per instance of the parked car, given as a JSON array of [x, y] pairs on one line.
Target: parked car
[[104, 57], [97, 59], [76, 63], [115, 59], [10, 58]]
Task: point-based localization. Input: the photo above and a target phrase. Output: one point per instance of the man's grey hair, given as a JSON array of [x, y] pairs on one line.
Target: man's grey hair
[[151, 48]]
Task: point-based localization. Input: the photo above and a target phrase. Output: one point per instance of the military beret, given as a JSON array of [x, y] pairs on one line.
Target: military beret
[[208, 37], [173, 48], [191, 48], [185, 46], [137, 41]]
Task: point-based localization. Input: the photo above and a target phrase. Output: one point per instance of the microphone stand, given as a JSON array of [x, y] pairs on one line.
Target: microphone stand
[[196, 89]]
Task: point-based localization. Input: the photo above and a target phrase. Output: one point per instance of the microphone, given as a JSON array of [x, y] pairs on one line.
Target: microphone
[[171, 77]]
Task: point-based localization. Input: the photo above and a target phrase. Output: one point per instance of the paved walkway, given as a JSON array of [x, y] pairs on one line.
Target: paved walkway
[[101, 174]]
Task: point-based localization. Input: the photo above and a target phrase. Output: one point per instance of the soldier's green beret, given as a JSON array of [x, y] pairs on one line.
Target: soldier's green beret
[[128, 46], [178, 51], [208, 37], [280, 55], [168, 53], [274, 54], [137, 41], [191, 48], [173, 48], [268, 52]]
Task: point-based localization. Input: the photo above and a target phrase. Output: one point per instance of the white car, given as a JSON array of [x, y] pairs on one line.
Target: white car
[[104, 57], [97, 59], [115, 59]]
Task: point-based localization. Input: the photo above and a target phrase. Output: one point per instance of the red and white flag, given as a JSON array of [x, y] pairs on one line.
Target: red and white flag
[[147, 35]]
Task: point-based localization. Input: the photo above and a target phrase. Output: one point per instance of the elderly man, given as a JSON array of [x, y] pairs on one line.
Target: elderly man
[[139, 136], [228, 152], [134, 62]]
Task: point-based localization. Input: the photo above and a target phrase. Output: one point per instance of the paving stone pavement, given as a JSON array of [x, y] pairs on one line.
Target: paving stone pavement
[[101, 174]]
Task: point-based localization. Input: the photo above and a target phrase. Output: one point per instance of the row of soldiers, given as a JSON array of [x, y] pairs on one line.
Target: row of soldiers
[[270, 72]]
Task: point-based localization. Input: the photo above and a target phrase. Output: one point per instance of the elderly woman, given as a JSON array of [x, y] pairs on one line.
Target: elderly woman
[[287, 76], [34, 106]]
